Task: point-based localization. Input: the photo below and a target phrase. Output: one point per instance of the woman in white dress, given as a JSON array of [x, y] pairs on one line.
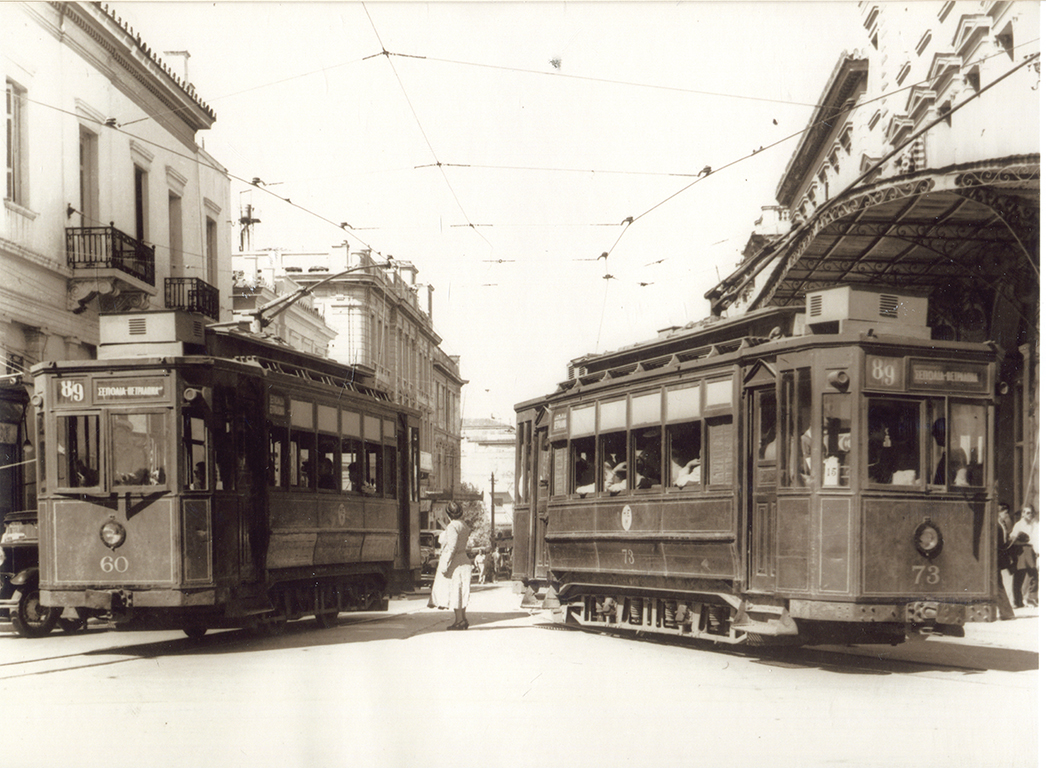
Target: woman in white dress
[[451, 586]]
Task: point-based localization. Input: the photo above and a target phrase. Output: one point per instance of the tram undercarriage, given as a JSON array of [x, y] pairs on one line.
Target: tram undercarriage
[[728, 619]]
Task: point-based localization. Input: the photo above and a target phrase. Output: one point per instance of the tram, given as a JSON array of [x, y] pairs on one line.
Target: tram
[[794, 475], [196, 478]]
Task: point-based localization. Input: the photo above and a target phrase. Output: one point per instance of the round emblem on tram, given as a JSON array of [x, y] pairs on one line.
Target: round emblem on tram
[[626, 518]]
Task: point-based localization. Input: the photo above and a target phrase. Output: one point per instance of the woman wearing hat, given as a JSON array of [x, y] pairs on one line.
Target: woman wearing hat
[[455, 567]]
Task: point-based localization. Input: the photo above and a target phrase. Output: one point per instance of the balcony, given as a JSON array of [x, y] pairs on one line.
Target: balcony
[[191, 294], [111, 265], [108, 247]]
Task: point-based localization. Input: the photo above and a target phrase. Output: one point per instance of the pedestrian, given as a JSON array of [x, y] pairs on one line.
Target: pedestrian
[[452, 584], [495, 563], [481, 566], [1004, 571], [1025, 539]]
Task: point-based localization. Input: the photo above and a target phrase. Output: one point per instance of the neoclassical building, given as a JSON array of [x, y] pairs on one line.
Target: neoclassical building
[[919, 170], [109, 202]]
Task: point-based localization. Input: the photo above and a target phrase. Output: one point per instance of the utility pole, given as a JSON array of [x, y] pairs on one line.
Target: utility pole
[[493, 543]]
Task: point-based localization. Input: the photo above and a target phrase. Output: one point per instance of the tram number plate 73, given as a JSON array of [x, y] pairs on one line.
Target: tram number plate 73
[[629, 555], [926, 574]]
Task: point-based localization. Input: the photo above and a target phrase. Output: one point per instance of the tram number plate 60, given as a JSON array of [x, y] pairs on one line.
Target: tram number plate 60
[[926, 574], [110, 564]]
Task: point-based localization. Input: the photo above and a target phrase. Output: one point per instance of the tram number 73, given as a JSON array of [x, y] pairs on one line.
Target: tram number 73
[[927, 574]]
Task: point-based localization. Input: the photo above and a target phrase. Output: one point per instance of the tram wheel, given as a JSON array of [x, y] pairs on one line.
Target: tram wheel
[[195, 632], [31, 619]]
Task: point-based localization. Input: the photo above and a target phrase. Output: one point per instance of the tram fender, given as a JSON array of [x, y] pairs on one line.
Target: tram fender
[[26, 578], [765, 620]]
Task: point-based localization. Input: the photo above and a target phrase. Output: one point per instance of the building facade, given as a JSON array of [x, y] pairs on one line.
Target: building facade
[[382, 317], [109, 204], [488, 451], [919, 170]]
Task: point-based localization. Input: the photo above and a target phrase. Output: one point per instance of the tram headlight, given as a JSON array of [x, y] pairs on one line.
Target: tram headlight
[[928, 540], [113, 534]]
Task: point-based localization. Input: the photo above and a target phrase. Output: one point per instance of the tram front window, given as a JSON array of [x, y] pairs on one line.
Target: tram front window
[[77, 447], [893, 442], [139, 455]]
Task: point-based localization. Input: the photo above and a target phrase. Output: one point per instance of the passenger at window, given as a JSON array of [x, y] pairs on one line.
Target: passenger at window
[[685, 471], [584, 474], [893, 457], [199, 477], [615, 474], [648, 459], [326, 478], [951, 467]]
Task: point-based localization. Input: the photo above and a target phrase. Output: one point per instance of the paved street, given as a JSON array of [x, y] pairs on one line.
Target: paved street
[[397, 689]]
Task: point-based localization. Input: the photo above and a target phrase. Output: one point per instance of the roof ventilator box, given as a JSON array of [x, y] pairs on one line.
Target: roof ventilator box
[[170, 333], [852, 309]]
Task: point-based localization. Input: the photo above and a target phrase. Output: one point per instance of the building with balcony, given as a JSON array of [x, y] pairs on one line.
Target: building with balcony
[[919, 169], [488, 452], [109, 204], [383, 320]]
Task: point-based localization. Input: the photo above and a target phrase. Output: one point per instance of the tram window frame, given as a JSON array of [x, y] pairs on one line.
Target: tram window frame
[[612, 456], [154, 483], [373, 475], [301, 450], [796, 407], [391, 471], [944, 445], [684, 415], [327, 447], [584, 461], [561, 477], [227, 447], [837, 440], [194, 451], [351, 465], [277, 456], [65, 470], [524, 458], [646, 441], [896, 463]]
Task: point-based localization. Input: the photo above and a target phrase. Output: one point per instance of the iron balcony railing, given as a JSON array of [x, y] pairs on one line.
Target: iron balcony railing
[[100, 247], [191, 294]]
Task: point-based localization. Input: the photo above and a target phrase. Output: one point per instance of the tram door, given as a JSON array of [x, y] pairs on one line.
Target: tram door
[[761, 493], [541, 446]]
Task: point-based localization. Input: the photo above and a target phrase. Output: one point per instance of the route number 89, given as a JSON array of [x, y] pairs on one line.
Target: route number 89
[[884, 372]]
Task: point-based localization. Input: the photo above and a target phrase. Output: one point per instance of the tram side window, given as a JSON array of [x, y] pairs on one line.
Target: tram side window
[[194, 447], [583, 461], [615, 466], [837, 446], [77, 447], [684, 450], [277, 451], [893, 441], [390, 472], [544, 463], [302, 454], [351, 465], [372, 470], [646, 452], [139, 455], [795, 416], [327, 452]]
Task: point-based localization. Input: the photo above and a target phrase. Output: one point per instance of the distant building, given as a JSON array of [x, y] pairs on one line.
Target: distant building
[[301, 325], [109, 203], [382, 318], [919, 170], [488, 447]]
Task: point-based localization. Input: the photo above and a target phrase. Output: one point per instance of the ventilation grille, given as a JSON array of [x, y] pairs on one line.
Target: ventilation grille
[[197, 328], [889, 305], [816, 303], [136, 326]]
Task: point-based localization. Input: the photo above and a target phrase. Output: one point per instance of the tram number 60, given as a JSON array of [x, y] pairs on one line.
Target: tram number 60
[[118, 564], [928, 574]]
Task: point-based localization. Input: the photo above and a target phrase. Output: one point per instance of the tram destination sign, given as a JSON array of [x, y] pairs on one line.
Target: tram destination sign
[[114, 390], [941, 375]]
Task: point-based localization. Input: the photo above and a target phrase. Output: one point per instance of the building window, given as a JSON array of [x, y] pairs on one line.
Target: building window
[[141, 203], [17, 188], [212, 252], [925, 41], [905, 69], [89, 215], [174, 223]]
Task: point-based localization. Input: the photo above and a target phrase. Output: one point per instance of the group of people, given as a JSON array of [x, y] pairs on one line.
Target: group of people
[[1018, 544], [488, 565]]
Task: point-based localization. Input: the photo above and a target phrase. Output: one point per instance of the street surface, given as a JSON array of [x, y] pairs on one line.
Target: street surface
[[395, 689]]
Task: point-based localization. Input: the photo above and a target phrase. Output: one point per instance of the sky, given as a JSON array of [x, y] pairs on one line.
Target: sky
[[503, 147]]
